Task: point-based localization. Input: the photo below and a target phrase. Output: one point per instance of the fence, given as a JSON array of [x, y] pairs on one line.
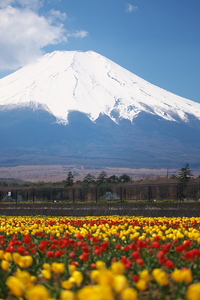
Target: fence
[[148, 209], [134, 192]]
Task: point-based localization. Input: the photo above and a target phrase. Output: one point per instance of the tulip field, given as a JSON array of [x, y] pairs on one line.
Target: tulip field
[[99, 258]]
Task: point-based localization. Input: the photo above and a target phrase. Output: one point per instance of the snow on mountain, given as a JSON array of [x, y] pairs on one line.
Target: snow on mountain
[[65, 81]]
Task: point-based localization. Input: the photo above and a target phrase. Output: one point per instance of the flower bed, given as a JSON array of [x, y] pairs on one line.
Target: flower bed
[[99, 258]]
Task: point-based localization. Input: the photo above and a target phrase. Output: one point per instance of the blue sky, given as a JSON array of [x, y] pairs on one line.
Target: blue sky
[[158, 40]]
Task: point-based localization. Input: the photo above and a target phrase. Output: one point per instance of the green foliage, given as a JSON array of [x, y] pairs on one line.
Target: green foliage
[[125, 178], [185, 174], [89, 179], [113, 179], [184, 177], [70, 179], [102, 178], [113, 201]]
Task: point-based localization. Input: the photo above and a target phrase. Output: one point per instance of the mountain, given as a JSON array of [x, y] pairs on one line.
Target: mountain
[[74, 107]]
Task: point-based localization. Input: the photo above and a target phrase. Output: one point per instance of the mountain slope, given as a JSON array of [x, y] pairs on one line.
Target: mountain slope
[[65, 81], [82, 108]]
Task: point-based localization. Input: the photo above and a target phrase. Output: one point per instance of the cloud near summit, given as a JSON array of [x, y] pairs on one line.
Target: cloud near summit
[[130, 8], [24, 32]]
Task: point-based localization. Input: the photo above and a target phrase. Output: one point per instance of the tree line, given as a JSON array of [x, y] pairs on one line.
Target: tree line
[[102, 178], [183, 177]]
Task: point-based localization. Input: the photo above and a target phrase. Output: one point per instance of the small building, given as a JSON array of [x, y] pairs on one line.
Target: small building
[[110, 196]]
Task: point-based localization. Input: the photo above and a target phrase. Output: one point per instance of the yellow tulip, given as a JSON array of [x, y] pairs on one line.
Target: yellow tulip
[[72, 268], [1, 254], [182, 275], [33, 279], [68, 284], [145, 275], [117, 268], [5, 265], [193, 291], [141, 285], [120, 283], [129, 294], [38, 292], [160, 276], [47, 267], [16, 286], [7, 256], [106, 277], [25, 261], [95, 275], [96, 292], [78, 277], [100, 265], [16, 257], [156, 272], [58, 267], [46, 274], [25, 277], [187, 275], [67, 295], [177, 275]]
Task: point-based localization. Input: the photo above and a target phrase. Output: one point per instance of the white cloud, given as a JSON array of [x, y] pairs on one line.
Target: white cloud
[[24, 32], [130, 7], [57, 15], [5, 3], [31, 4], [78, 34]]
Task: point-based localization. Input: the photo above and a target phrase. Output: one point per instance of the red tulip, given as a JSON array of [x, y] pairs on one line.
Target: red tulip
[[135, 255], [72, 255], [50, 254], [169, 264], [136, 278]]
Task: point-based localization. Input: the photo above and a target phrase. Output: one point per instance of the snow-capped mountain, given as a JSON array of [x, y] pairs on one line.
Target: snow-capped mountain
[[65, 81], [74, 107]]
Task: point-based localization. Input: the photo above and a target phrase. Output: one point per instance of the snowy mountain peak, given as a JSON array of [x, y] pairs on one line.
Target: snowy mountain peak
[[65, 81]]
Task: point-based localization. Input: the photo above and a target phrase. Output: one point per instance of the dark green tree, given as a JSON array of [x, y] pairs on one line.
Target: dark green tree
[[70, 179], [113, 179], [184, 177], [89, 179], [185, 174], [125, 178], [102, 178]]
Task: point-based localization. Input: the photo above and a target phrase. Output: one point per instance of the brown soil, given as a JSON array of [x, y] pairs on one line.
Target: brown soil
[[53, 173]]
